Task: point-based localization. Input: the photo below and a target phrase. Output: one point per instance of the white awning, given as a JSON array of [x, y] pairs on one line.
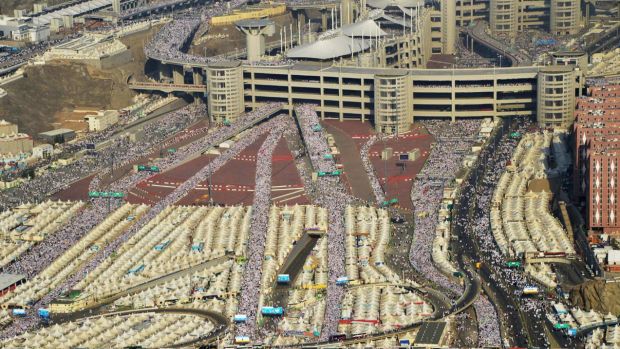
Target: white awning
[[367, 29], [396, 3], [335, 47]]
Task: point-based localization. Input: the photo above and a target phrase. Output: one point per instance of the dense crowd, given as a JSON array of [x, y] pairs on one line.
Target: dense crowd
[[250, 284], [170, 42], [467, 58], [370, 170], [511, 281], [148, 7], [125, 152], [30, 51], [453, 141], [120, 153], [488, 324], [482, 31], [332, 195], [41, 255]]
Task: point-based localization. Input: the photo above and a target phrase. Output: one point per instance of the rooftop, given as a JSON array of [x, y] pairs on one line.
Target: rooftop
[[57, 132], [253, 23], [7, 280]]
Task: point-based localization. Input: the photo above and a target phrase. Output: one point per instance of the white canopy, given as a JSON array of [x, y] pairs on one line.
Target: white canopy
[[329, 48], [367, 28]]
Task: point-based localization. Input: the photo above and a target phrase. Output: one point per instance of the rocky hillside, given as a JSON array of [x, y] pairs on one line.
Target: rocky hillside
[[34, 101], [597, 295]]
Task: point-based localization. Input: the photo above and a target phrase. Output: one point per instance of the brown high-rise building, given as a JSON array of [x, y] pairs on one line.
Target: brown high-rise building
[[597, 156]]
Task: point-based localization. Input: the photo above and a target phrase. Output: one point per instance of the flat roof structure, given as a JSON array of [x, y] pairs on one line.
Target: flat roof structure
[[74, 10], [254, 23], [457, 73], [57, 132], [430, 333], [396, 3], [7, 280]]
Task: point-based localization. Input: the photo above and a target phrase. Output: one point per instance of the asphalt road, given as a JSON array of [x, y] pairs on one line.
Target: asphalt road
[[523, 328], [468, 252]]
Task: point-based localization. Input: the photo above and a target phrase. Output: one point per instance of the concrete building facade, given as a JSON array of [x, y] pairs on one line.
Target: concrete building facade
[[565, 17], [352, 93], [556, 93], [560, 17], [102, 120], [596, 136], [224, 83]]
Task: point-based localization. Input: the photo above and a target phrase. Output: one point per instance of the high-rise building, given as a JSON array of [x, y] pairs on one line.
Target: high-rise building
[[565, 17], [597, 156], [509, 17]]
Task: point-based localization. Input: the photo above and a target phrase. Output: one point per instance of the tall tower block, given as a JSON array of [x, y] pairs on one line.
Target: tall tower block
[[346, 12], [116, 6], [255, 31], [503, 17], [448, 26]]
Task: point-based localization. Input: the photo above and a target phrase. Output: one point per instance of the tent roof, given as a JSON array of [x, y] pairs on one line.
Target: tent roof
[[334, 47]]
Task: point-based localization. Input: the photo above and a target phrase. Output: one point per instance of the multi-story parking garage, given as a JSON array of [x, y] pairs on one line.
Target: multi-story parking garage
[[393, 98]]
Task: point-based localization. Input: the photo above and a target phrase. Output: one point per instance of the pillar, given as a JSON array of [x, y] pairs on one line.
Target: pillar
[[346, 13], [198, 80], [164, 71], [301, 17], [324, 20], [448, 26], [177, 75], [116, 6]]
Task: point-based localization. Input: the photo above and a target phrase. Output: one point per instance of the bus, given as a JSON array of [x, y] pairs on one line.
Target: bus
[[9, 49], [19, 312], [198, 247], [242, 340], [272, 311], [513, 264], [136, 269], [162, 246], [530, 290], [44, 313], [341, 281], [339, 337], [284, 279], [240, 318]]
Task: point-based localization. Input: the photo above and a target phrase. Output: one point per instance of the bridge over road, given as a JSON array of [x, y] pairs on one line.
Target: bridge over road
[[167, 88]]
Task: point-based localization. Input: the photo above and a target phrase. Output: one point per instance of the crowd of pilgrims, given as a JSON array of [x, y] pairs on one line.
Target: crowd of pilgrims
[[452, 142], [42, 254], [377, 189], [332, 195], [169, 43], [453, 139], [511, 281], [261, 204]]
